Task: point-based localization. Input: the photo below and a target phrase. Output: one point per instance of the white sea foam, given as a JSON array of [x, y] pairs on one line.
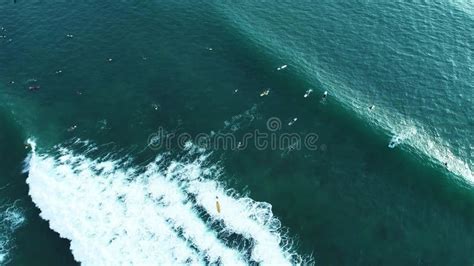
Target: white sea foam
[[11, 218], [445, 156], [397, 139], [164, 213]]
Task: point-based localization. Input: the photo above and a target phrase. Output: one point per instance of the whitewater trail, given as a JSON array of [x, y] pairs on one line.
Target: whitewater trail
[[115, 214]]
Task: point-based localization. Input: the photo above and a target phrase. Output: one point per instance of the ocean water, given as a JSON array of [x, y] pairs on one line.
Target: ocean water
[[90, 92]]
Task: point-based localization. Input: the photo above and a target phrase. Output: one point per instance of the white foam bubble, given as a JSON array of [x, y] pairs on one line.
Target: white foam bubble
[[164, 213]]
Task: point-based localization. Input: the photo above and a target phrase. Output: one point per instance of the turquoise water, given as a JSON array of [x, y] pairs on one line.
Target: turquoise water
[[93, 192]]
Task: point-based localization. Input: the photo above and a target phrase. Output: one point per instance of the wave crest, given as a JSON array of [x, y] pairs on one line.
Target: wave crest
[[165, 212]]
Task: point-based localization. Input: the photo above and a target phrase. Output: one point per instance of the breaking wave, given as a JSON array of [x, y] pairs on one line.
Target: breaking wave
[[172, 211]]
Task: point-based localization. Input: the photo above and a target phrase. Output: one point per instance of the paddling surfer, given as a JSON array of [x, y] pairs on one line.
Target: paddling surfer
[[218, 205]]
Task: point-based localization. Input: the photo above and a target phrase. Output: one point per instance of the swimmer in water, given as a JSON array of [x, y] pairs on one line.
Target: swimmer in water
[[236, 90], [110, 59], [59, 72], [372, 107], [218, 205], [72, 128], [34, 88], [265, 92], [282, 67]]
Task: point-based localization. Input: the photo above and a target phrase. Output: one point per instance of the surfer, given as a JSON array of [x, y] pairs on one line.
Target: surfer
[[282, 67], [293, 121], [218, 205], [372, 107], [265, 92], [325, 94], [34, 88], [72, 128], [308, 92]]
